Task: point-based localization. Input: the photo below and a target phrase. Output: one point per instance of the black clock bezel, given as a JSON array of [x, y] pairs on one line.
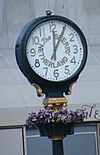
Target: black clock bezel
[[21, 57]]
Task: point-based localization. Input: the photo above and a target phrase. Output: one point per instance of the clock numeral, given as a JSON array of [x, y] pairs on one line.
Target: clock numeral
[[73, 60], [33, 52], [46, 70], [67, 69], [52, 27], [75, 49], [35, 40], [37, 64], [56, 74], [72, 37], [42, 31]]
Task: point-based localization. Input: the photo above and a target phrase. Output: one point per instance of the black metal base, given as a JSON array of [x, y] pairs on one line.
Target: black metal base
[[56, 129], [57, 147]]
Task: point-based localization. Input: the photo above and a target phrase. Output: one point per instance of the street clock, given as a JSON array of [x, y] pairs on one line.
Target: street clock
[[51, 51]]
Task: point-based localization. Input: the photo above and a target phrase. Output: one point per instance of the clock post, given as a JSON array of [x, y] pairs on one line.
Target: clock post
[[51, 52]]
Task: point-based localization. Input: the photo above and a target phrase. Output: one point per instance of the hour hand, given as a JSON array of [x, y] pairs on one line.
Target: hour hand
[[54, 47]]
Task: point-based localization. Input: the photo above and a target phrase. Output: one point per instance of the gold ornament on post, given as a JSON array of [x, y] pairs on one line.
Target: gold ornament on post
[[55, 103]]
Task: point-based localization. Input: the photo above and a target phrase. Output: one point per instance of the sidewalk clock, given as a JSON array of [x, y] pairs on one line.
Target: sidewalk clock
[[51, 51]]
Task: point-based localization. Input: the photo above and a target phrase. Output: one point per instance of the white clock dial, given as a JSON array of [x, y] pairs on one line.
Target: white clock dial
[[54, 50]]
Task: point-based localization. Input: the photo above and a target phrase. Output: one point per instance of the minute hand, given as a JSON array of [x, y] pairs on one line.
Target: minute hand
[[60, 37]]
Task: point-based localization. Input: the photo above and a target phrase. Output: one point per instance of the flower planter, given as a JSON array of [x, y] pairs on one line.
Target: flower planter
[[55, 123], [56, 129]]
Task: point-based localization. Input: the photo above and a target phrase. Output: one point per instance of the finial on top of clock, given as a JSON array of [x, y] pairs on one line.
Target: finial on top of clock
[[48, 12]]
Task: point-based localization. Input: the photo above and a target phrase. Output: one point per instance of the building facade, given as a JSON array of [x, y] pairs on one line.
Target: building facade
[[17, 96]]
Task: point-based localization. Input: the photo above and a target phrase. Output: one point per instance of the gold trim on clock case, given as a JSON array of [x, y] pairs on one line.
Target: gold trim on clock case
[[55, 102], [38, 89], [70, 88]]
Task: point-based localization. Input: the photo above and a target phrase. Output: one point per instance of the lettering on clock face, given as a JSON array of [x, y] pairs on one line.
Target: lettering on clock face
[[54, 50]]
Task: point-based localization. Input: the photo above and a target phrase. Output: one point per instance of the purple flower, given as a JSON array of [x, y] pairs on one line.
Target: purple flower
[[50, 116]]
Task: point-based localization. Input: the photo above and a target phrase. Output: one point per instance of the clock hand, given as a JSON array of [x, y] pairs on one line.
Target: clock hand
[[60, 37], [55, 47], [54, 51]]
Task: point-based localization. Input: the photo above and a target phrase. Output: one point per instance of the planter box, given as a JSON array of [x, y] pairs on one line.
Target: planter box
[[56, 129]]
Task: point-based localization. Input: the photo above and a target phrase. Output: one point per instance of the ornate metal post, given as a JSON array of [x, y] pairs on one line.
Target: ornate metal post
[[57, 147]]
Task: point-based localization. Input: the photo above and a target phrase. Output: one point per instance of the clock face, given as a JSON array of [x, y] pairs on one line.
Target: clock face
[[54, 50]]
